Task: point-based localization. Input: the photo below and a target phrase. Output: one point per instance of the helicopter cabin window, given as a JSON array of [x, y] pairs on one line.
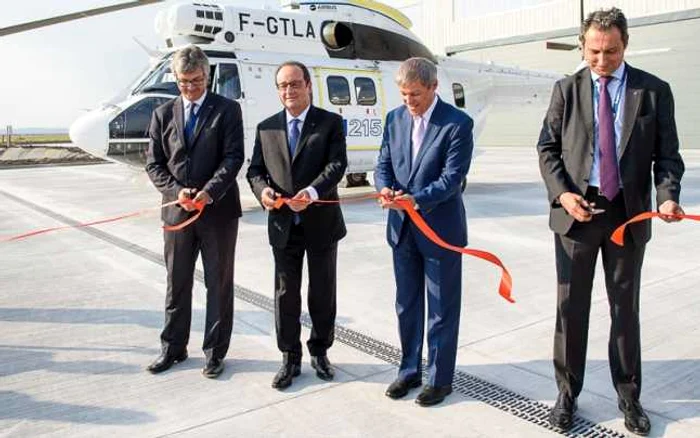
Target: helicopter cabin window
[[338, 90], [228, 83], [458, 92], [365, 92]]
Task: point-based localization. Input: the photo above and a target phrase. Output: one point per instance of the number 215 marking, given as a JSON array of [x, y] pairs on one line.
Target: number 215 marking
[[364, 127]]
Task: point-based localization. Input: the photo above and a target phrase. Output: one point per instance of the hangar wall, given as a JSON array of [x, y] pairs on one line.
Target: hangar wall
[[662, 42]]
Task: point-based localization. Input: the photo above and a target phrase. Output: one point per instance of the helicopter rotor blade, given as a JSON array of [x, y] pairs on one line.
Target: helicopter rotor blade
[[31, 25]]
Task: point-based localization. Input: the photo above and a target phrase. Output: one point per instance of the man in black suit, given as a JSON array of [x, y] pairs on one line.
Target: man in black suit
[[300, 153], [609, 129], [195, 152]]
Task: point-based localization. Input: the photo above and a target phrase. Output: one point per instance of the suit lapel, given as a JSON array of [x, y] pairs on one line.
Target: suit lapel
[[633, 100], [306, 130], [202, 116], [281, 141], [282, 138], [178, 118], [585, 95], [428, 139], [405, 124]]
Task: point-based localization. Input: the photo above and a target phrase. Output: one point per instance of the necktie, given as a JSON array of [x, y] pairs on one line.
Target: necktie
[[417, 135], [294, 137], [609, 174], [191, 123]]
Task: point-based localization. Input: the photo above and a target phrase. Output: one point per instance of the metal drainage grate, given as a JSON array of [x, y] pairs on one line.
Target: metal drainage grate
[[464, 383]]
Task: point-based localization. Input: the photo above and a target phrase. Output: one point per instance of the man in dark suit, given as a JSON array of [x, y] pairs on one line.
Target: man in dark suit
[[195, 152], [609, 129], [425, 154], [300, 153]]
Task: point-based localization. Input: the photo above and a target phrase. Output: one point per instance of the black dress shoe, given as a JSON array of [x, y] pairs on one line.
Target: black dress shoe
[[561, 415], [213, 368], [165, 361], [284, 376], [636, 420], [399, 388], [323, 367], [432, 395]]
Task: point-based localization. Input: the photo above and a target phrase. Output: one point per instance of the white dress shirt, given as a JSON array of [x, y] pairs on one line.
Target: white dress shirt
[[420, 125], [186, 104]]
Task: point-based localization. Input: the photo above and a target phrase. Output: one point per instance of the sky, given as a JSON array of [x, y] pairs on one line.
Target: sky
[[50, 76]]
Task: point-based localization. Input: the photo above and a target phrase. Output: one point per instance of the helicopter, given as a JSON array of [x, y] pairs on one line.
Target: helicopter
[[352, 48]]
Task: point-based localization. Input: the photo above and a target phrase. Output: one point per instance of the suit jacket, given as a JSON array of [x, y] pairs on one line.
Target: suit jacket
[[319, 160], [210, 163], [436, 176], [648, 145]]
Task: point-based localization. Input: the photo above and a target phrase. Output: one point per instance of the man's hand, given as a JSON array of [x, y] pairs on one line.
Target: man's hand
[[267, 197], [576, 206], [300, 201], [388, 196], [670, 207], [184, 196], [408, 198], [203, 197]]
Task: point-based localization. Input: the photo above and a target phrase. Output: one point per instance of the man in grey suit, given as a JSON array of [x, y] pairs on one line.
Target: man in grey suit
[[609, 128], [300, 153], [195, 152]]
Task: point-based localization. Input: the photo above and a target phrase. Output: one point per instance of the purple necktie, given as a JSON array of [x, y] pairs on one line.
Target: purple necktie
[[609, 176]]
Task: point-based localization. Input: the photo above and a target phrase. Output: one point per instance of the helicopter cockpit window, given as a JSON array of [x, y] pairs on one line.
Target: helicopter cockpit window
[[161, 80], [338, 90], [228, 83], [365, 92], [133, 122], [458, 92]]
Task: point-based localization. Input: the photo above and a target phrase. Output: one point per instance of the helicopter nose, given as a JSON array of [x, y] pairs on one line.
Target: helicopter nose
[[91, 132]]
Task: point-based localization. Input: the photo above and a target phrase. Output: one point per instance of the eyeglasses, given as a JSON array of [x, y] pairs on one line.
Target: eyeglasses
[[294, 85], [193, 83]]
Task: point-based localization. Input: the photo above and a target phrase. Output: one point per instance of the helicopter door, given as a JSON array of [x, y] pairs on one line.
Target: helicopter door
[[357, 95]]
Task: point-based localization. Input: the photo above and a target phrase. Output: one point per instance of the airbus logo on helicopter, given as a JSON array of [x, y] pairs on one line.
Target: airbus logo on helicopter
[[278, 25]]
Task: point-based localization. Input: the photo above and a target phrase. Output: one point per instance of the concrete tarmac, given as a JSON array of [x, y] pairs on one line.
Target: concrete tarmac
[[81, 311]]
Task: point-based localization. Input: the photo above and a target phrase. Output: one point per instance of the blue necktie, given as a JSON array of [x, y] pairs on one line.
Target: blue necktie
[[609, 174], [191, 123], [294, 137]]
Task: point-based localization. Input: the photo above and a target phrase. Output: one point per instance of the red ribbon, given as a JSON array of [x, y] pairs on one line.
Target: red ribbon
[[199, 206], [506, 285], [504, 289], [618, 236]]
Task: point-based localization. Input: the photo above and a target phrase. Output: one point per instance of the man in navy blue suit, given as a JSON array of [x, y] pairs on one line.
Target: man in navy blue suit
[[425, 154]]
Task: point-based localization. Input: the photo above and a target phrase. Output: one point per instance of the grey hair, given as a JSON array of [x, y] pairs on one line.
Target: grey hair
[[605, 19], [190, 59], [417, 69]]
